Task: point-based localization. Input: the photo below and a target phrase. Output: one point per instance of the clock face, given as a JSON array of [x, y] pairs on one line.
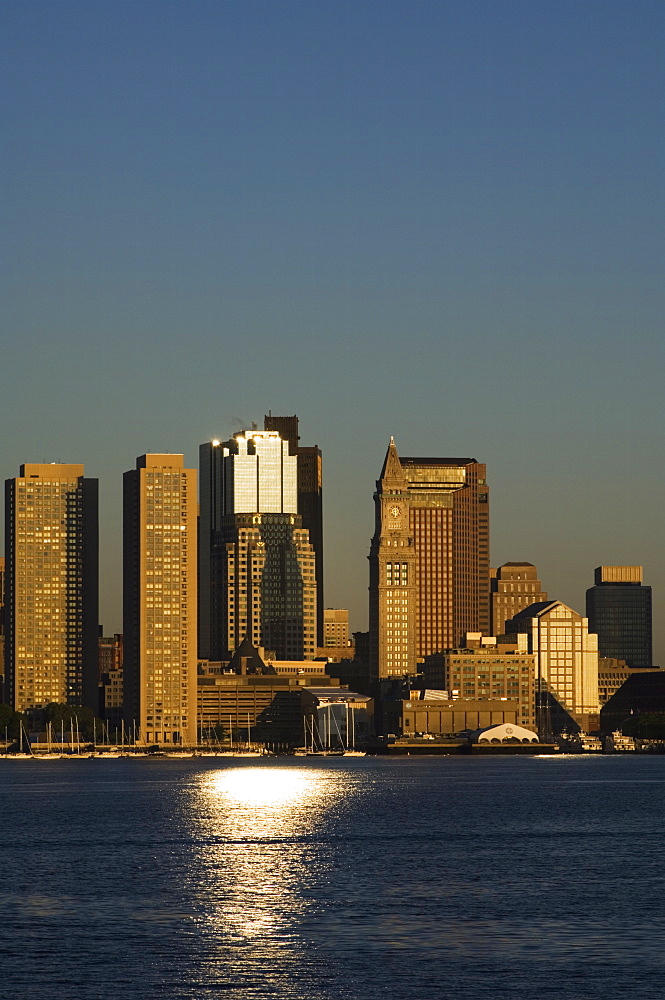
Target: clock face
[[395, 511]]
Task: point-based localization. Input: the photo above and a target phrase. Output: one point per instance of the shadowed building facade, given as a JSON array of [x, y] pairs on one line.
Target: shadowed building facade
[[310, 498], [429, 559], [257, 696], [159, 599], [257, 566], [111, 698], [52, 586], [619, 611]]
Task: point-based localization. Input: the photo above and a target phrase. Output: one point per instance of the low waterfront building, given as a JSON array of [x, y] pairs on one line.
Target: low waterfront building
[[487, 668], [612, 674], [257, 697], [504, 733], [641, 695], [265, 706], [447, 716]]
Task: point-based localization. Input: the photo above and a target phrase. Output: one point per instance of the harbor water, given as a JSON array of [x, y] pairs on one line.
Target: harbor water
[[539, 878]]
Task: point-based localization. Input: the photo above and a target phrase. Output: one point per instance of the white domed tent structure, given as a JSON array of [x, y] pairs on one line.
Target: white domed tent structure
[[504, 733]]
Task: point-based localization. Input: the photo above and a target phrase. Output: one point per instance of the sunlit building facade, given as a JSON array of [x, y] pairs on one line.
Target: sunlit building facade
[[159, 599], [51, 587], [484, 668], [566, 664], [392, 575], [257, 566], [335, 627], [429, 559], [513, 587]]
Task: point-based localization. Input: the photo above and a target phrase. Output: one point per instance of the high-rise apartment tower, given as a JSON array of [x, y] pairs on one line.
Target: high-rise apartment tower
[[429, 559], [51, 587], [159, 599], [257, 566]]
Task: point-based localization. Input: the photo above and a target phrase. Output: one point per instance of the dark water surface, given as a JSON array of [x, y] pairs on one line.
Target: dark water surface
[[352, 878]]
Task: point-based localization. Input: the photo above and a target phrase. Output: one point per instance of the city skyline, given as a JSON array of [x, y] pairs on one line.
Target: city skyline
[[111, 596], [435, 222], [440, 222]]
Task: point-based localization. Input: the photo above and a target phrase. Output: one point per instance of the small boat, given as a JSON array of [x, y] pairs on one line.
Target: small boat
[[590, 744]]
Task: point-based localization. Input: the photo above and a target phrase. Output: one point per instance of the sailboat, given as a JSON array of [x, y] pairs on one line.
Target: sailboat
[[309, 749], [350, 748], [249, 751], [50, 754]]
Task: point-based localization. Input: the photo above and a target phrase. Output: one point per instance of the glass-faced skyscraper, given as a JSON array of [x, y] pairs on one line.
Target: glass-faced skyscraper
[[257, 576], [429, 559], [51, 587], [310, 498], [619, 611]]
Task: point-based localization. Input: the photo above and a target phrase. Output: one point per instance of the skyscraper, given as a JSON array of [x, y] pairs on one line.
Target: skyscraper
[[619, 611], [310, 498], [51, 587], [513, 587], [429, 559], [392, 574], [2, 628], [159, 599], [257, 566]]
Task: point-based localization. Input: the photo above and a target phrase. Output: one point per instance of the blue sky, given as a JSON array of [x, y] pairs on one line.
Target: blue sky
[[438, 220]]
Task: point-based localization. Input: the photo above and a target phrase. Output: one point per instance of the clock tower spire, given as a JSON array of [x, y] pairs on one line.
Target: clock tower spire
[[392, 610]]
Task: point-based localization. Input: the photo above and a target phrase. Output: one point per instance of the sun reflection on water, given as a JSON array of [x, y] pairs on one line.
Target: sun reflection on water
[[281, 789], [255, 826]]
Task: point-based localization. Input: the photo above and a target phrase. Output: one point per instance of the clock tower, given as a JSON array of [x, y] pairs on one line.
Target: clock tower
[[392, 588]]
